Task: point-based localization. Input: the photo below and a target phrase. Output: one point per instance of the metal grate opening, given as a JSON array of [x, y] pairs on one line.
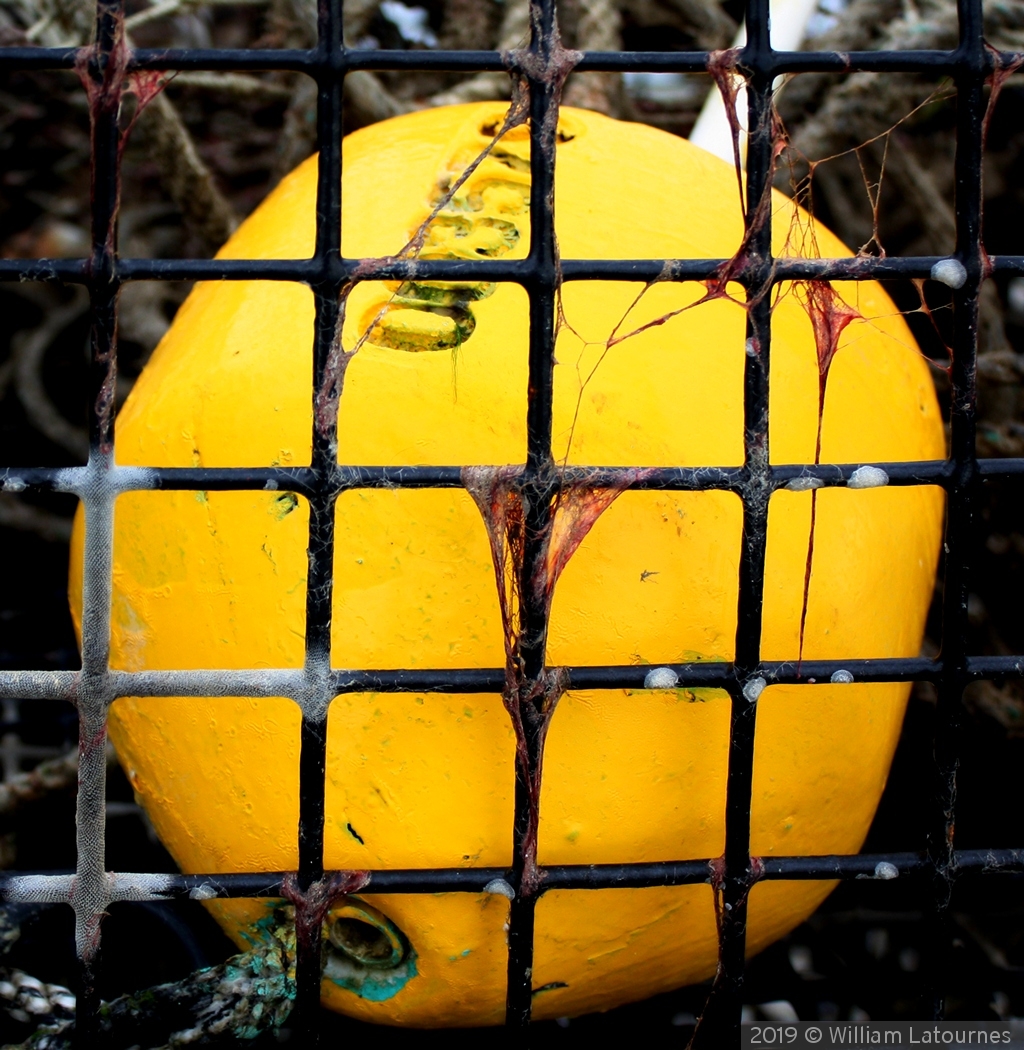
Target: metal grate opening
[[540, 69]]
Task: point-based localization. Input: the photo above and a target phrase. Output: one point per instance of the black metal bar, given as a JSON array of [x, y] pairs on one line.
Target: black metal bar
[[879, 867], [304, 480], [536, 492], [721, 1017], [102, 75], [76, 271], [938, 63], [970, 109], [66, 685], [321, 495]]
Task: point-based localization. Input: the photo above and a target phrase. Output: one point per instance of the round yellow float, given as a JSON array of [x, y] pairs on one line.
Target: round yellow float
[[217, 580]]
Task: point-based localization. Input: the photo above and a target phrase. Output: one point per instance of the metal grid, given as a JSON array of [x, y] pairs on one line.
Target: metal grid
[[97, 484]]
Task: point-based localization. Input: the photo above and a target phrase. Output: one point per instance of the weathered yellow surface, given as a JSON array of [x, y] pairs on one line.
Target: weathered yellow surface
[[217, 580]]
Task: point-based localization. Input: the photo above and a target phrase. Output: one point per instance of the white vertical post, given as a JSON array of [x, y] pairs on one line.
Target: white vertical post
[[712, 132]]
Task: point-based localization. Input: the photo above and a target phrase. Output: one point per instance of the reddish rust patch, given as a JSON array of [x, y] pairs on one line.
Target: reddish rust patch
[[530, 702], [829, 316], [722, 65]]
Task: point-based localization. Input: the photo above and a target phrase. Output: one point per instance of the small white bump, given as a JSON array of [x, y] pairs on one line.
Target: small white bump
[[661, 678], [14, 485], [885, 870], [500, 888], [949, 272], [751, 348], [270, 486], [804, 484], [754, 688], [841, 677], [205, 892], [868, 478]]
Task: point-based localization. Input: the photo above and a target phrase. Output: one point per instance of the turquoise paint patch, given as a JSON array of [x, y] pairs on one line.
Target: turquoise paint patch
[[376, 984], [266, 929]]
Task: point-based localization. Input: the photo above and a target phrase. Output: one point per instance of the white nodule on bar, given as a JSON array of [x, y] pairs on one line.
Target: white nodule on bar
[[751, 347], [949, 272], [205, 892], [868, 478], [754, 688], [271, 485], [804, 484], [14, 485], [500, 888], [885, 870], [841, 677], [661, 678]]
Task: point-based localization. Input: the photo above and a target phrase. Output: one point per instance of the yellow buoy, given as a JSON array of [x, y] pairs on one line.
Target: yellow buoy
[[217, 580]]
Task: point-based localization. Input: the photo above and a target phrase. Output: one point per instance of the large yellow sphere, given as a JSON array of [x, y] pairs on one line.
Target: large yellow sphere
[[217, 580]]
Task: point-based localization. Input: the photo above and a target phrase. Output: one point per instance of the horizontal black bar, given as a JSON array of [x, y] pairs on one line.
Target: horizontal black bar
[[981, 667], [28, 57], [285, 682], [773, 63], [885, 867], [709, 675], [941, 63], [882, 867], [1000, 469], [301, 479], [309, 271], [786, 268], [426, 680], [315, 62], [922, 471], [775, 672], [698, 675]]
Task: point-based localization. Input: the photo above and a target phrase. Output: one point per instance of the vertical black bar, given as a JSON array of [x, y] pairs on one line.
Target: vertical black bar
[[721, 1021], [319, 588], [537, 495], [543, 264], [103, 74], [963, 493]]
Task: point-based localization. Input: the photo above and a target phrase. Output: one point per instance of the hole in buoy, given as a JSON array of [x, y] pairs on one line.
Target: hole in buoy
[[369, 944], [365, 952], [366, 936]]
